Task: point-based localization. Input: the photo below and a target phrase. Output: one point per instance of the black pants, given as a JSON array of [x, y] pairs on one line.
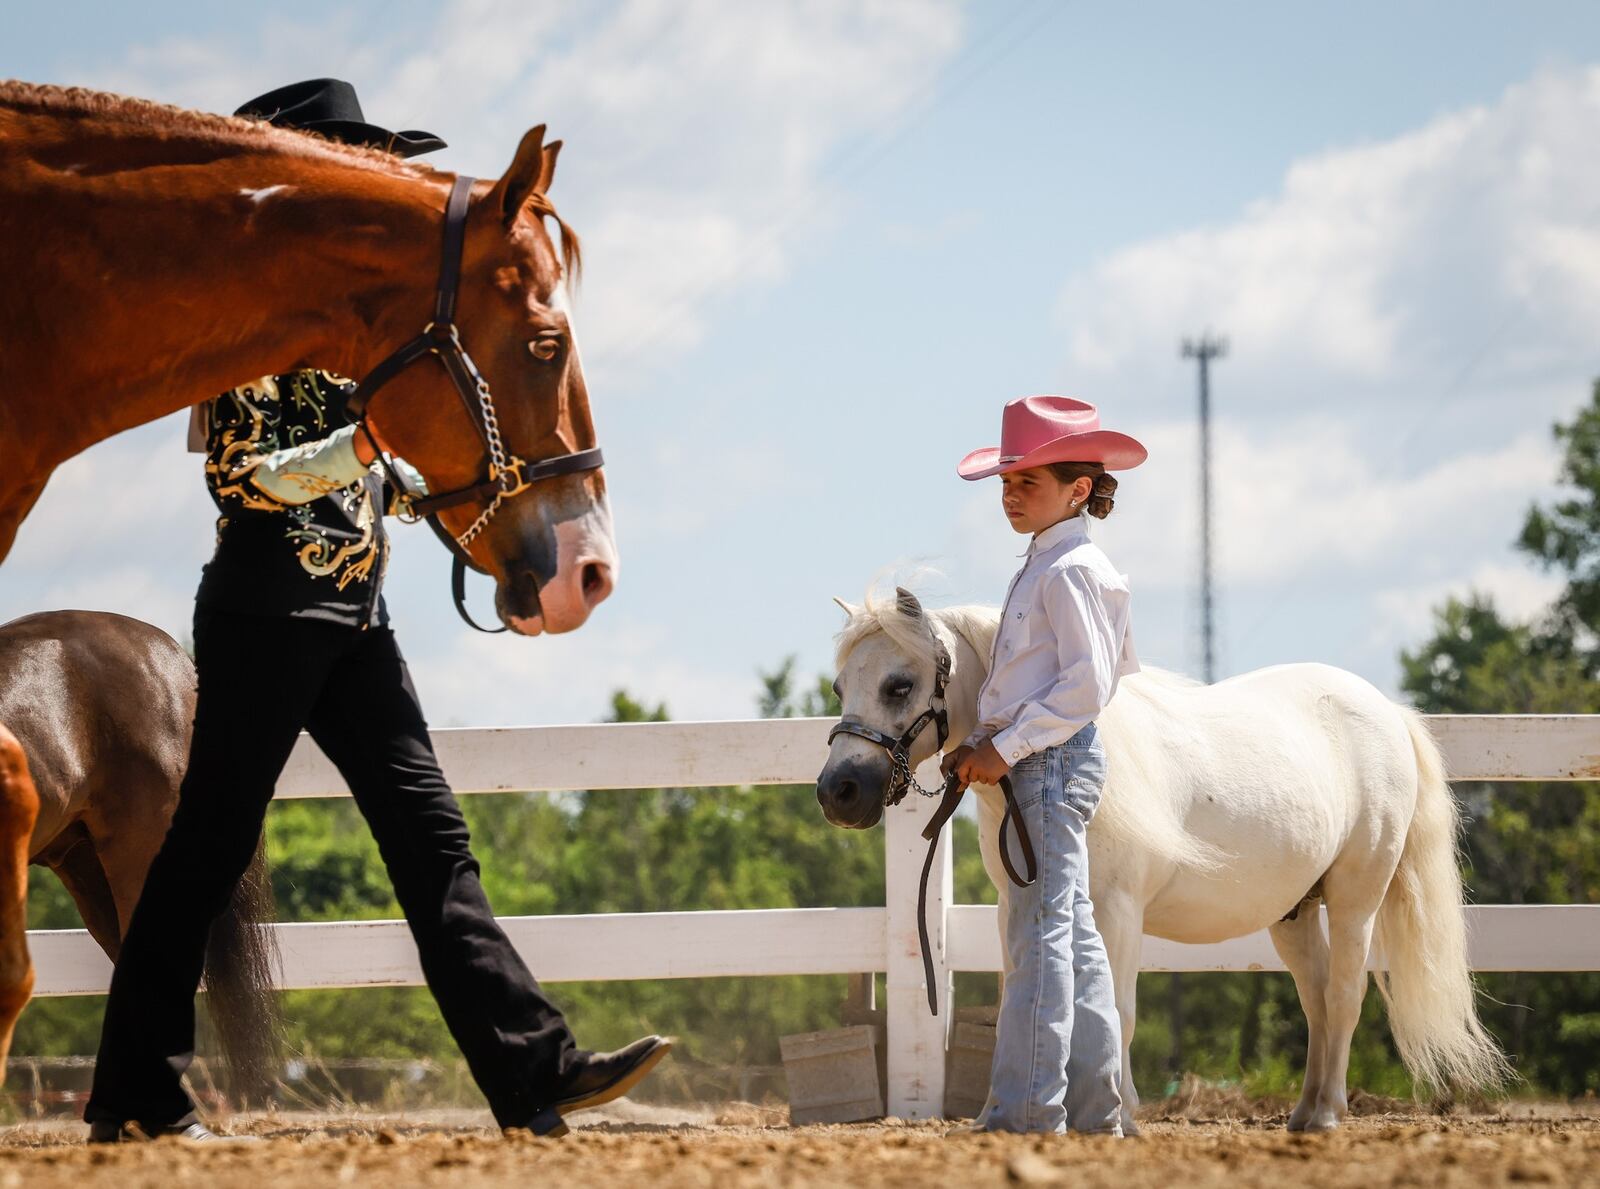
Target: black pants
[[261, 680]]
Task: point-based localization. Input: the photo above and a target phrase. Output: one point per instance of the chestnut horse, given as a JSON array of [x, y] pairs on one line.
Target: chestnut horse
[[99, 709], [155, 257]]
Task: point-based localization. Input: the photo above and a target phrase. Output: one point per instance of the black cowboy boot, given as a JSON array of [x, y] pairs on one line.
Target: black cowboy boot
[[109, 1131], [598, 1078]]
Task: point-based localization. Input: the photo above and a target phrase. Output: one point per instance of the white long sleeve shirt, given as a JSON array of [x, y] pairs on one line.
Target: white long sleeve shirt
[[1064, 643]]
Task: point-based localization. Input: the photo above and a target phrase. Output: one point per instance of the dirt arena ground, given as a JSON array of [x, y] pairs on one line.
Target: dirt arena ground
[[1549, 1145]]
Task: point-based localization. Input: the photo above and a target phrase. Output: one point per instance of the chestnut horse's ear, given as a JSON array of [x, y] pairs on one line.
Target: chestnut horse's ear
[[529, 173], [547, 167]]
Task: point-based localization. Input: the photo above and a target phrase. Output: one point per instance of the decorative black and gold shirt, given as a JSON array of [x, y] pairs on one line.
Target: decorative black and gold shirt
[[323, 559]]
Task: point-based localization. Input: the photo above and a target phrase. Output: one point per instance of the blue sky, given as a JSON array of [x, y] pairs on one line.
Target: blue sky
[[828, 240]]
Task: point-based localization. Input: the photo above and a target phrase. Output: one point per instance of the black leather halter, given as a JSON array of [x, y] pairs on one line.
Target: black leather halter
[[902, 780], [508, 475]]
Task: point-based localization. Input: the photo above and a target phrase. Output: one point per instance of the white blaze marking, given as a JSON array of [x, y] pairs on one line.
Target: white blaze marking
[[261, 195], [561, 300]]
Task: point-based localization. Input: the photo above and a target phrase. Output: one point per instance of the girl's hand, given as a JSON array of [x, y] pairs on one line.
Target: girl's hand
[[952, 758], [982, 766]]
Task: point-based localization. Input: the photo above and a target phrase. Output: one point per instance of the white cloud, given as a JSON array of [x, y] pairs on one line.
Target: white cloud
[[1308, 499], [1518, 591], [1379, 272]]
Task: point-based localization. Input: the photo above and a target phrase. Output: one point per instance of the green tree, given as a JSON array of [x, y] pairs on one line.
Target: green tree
[[1534, 843]]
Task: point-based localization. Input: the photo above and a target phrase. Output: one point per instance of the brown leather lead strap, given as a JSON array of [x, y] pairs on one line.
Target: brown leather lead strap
[[948, 804], [1014, 814], [953, 791]]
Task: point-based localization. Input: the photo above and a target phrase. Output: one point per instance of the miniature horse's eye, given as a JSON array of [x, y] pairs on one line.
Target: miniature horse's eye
[[898, 689], [544, 350]]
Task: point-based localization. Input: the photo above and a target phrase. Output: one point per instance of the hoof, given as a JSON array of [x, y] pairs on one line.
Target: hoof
[[1130, 1129], [1323, 1121]]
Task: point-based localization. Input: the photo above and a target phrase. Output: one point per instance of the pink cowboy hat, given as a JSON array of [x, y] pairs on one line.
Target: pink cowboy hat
[[1036, 430]]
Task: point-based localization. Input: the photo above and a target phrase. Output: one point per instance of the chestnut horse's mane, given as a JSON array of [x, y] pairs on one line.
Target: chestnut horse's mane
[[148, 115]]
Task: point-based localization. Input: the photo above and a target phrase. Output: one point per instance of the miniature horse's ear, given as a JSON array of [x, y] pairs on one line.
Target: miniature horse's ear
[[530, 173], [849, 609], [907, 603]]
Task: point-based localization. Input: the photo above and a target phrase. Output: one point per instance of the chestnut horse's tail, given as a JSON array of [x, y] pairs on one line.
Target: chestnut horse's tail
[[241, 958]]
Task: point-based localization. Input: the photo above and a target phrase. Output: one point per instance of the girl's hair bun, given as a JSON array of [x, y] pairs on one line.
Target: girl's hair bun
[[1104, 495]]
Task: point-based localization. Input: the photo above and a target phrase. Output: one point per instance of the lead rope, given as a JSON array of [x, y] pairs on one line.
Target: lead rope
[[953, 792]]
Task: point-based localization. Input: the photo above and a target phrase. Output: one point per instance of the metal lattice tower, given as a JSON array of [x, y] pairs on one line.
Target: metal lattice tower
[[1204, 351]]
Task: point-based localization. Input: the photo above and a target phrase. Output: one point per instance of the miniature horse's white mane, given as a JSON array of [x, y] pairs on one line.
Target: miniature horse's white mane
[[975, 623]]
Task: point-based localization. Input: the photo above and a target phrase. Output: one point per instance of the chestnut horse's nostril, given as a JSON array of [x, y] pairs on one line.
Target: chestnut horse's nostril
[[596, 578]]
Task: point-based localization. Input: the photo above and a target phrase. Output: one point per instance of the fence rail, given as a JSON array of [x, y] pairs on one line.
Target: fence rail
[[825, 940]]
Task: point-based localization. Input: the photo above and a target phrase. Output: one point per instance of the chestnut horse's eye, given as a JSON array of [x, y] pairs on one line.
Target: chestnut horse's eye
[[545, 349]]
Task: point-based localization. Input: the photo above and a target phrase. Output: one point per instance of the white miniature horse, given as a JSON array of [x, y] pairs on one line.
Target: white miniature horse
[[1226, 808]]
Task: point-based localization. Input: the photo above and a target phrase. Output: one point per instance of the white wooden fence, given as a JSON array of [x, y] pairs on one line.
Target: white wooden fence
[[824, 940]]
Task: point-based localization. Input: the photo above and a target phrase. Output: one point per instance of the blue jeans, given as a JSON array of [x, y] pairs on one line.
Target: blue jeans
[[1058, 1047]]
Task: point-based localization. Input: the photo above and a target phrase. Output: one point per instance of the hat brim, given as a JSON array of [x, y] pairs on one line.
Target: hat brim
[[1115, 451], [410, 143]]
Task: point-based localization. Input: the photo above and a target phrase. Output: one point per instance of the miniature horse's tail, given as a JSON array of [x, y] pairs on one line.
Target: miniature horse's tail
[[241, 957], [19, 808], [1422, 931]]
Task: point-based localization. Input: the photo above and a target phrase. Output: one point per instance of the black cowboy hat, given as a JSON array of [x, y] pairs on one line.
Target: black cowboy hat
[[329, 107]]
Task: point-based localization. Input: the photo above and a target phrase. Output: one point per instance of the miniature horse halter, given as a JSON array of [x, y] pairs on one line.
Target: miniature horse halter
[[902, 780], [509, 475]]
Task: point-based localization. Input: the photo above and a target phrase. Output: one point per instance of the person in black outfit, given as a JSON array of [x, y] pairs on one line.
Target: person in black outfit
[[291, 632]]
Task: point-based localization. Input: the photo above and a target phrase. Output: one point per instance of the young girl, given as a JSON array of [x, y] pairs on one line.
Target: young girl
[[1063, 643]]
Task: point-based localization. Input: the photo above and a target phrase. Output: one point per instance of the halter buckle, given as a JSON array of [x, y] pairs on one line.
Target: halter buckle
[[402, 510], [513, 469]]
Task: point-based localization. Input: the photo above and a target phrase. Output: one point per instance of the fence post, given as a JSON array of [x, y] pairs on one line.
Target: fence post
[[916, 1039]]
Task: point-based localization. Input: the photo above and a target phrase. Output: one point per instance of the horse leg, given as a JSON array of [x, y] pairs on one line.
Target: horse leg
[[19, 809], [1304, 950], [77, 866], [1121, 923], [1349, 939]]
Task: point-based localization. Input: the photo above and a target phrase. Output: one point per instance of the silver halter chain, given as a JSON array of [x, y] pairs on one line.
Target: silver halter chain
[[902, 777], [499, 463]]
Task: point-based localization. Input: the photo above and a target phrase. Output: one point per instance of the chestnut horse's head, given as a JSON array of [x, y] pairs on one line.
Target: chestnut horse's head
[[549, 548]]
